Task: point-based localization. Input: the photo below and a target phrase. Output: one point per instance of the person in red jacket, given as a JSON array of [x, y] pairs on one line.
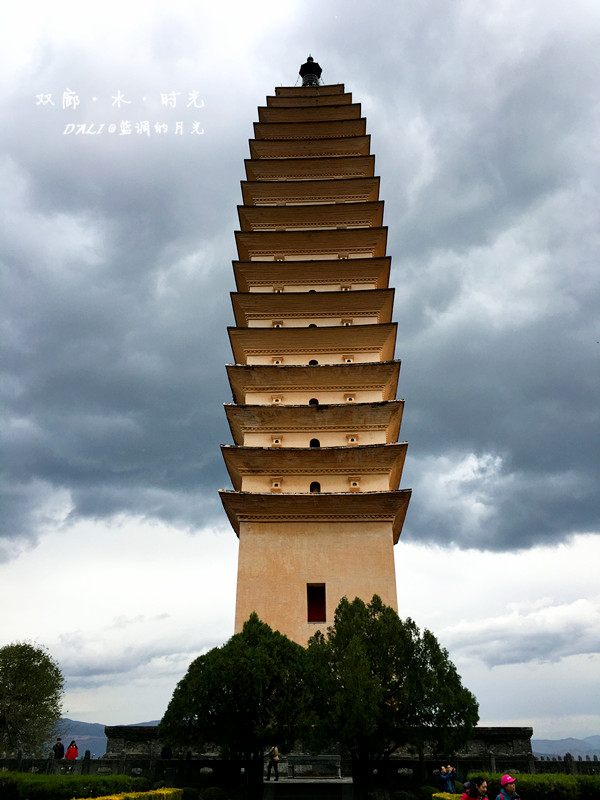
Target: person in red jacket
[[477, 789], [72, 752]]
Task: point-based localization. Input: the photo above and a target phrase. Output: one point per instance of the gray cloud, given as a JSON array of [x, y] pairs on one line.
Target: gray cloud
[[525, 635], [116, 266]]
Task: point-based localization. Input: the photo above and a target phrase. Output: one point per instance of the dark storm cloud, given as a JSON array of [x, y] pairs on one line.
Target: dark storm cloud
[[116, 259]]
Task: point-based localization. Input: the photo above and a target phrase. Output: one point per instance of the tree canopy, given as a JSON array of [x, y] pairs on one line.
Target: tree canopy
[[31, 689], [377, 683], [242, 697]]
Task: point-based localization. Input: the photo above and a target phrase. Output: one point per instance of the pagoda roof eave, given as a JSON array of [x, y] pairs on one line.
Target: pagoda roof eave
[[290, 192], [297, 147], [383, 416], [340, 167], [377, 375], [341, 111], [387, 459], [316, 130], [267, 305], [269, 245], [316, 216], [343, 507], [309, 91], [376, 338], [268, 273]]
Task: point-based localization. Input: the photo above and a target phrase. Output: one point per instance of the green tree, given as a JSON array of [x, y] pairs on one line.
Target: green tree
[[377, 683], [31, 689], [241, 697]]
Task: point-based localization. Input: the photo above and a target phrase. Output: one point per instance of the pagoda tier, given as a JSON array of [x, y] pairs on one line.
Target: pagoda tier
[[313, 216], [329, 343], [257, 193], [295, 101], [309, 113], [317, 93], [362, 382], [308, 130], [316, 463], [260, 308], [297, 169], [348, 243], [353, 507], [372, 468], [310, 148], [346, 275], [295, 426]]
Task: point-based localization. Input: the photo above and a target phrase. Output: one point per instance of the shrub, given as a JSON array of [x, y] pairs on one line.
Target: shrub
[[589, 786], [214, 793], [25, 786], [426, 792]]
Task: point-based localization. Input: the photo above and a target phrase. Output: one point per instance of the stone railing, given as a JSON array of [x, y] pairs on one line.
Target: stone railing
[[568, 765]]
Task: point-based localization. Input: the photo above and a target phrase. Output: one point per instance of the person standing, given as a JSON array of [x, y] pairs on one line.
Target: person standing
[[447, 776], [59, 749], [273, 763], [508, 790], [72, 752]]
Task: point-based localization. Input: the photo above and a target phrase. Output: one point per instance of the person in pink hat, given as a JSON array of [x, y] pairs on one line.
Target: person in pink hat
[[508, 790]]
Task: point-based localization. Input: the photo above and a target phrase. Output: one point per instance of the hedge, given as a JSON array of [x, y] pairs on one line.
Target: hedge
[[24, 786]]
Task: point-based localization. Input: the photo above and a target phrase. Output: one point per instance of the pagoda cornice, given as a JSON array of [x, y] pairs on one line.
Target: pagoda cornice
[[384, 416], [274, 169], [310, 91], [266, 274], [356, 507], [309, 148], [301, 305], [330, 215], [257, 245], [309, 113], [374, 459], [378, 376], [286, 101], [378, 339], [257, 193], [329, 129]]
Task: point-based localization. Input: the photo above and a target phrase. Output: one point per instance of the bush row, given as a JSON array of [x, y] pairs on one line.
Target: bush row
[[23, 786]]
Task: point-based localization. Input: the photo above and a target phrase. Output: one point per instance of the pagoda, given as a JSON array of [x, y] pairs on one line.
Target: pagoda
[[316, 463]]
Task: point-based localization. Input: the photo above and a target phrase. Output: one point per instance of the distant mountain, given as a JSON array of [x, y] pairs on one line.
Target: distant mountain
[[140, 724], [593, 740], [590, 746], [88, 736]]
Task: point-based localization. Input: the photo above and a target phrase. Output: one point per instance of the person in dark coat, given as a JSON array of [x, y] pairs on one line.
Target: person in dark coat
[[59, 749], [310, 72]]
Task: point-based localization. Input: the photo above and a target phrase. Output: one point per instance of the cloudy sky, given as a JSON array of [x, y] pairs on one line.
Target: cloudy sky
[[116, 251]]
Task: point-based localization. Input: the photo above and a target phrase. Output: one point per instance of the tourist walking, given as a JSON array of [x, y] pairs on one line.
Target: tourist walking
[[59, 749], [508, 790]]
